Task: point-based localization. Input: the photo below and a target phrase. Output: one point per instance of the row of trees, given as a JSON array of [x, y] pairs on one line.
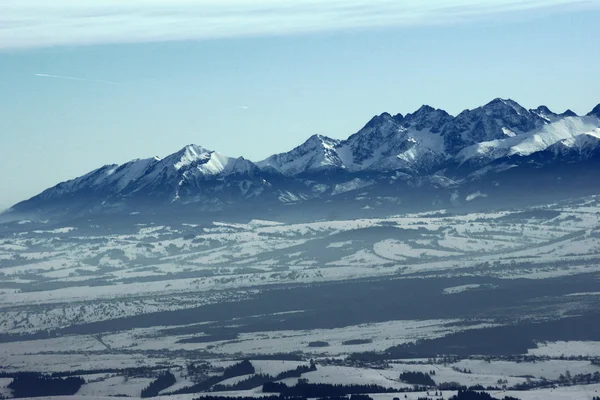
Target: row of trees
[[36, 385], [163, 381], [242, 368], [260, 379], [417, 378]]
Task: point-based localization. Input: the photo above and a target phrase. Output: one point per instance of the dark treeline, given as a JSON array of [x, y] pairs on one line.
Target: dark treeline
[[199, 387], [319, 390], [472, 395], [260, 379], [36, 385], [354, 342], [128, 371], [247, 384], [163, 381], [417, 378], [242, 368], [318, 343], [296, 373]]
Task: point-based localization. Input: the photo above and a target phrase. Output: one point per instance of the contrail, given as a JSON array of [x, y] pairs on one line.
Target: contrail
[[71, 78]]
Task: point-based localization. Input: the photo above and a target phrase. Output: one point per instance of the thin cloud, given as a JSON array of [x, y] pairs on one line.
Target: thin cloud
[[44, 23], [72, 78], [244, 107]]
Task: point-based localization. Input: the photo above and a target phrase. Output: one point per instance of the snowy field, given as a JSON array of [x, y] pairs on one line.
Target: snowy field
[[78, 276], [85, 298]]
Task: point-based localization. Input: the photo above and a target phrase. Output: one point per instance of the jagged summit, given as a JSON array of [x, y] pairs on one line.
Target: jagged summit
[[428, 145], [500, 106], [595, 112], [316, 153], [543, 109]]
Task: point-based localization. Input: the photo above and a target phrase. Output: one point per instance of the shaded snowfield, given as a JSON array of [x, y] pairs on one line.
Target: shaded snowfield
[[85, 278]]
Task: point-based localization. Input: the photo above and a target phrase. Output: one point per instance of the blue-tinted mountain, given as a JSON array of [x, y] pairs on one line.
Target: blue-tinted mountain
[[429, 157]]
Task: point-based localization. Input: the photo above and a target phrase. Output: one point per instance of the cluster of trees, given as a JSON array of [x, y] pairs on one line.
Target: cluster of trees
[[318, 343], [296, 373], [565, 379], [319, 390], [242, 368], [260, 379], [464, 370], [199, 387], [247, 384], [194, 369], [472, 395], [136, 371], [354, 342], [35, 385], [417, 378], [579, 379], [163, 381]]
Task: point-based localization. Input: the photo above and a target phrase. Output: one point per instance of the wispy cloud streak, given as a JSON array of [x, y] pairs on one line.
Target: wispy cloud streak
[[72, 78], [43, 23]]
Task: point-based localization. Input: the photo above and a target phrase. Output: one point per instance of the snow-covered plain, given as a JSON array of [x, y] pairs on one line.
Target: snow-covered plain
[[78, 276], [67, 276]]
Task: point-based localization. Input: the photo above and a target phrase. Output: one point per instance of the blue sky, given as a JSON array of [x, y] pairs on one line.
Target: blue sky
[[90, 83]]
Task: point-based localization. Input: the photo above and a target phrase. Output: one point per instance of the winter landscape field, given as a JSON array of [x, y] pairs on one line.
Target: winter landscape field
[[497, 299]]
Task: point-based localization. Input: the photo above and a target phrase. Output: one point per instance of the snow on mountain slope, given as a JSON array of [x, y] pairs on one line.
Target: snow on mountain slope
[[187, 165], [572, 132], [385, 143], [317, 153], [420, 149], [426, 139], [112, 178], [390, 143]]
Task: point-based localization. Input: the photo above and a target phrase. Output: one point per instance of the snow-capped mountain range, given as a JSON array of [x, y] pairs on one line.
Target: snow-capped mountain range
[[427, 139], [390, 154]]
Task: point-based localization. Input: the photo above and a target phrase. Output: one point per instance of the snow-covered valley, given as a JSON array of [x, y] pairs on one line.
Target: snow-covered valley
[[95, 298]]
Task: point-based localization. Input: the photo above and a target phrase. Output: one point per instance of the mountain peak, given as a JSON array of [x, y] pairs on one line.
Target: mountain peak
[[378, 120], [417, 144], [424, 109], [190, 154], [318, 138], [499, 105], [543, 109], [545, 113], [596, 111], [194, 148], [568, 113], [427, 117], [316, 153]]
